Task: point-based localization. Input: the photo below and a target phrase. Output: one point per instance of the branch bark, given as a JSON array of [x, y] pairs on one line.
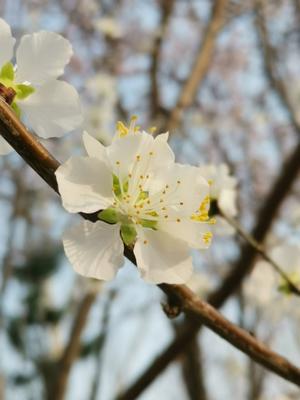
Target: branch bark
[[72, 350], [201, 65], [38, 157]]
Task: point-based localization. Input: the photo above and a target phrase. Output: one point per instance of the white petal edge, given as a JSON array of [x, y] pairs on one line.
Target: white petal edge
[[162, 258], [95, 250], [85, 185], [5, 148], [42, 56], [94, 148], [7, 42], [53, 109]]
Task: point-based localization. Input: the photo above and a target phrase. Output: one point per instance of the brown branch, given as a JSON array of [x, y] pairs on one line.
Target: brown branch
[[232, 282], [203, 312], [261, 251], [201, 65], [72, 350], [269, 58], [166, 11], [192, 369]]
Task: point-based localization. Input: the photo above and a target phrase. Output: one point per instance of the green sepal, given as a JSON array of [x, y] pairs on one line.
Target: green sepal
[[24, 91], [110, 215], [128, 234], [7, 72], [146, 223], [16, 109]]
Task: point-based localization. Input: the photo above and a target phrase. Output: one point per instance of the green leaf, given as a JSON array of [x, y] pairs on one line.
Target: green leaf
[[128, 234], [7, 71], [146, 223], [16, 109], [24, 91], [109, 215]]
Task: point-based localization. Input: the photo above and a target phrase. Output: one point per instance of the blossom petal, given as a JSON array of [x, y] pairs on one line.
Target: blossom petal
[[5, 148], [53, 109], [194, 233], [85, 185], [184, 185], [94, 148], [140, 151], [227, 202], [7, 43], [42, 56], [161, 258], [95, 249]]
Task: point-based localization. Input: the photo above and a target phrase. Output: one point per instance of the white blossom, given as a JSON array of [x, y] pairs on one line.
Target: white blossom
[[149, 202], [264, 286], [222, 193], [50, 106]]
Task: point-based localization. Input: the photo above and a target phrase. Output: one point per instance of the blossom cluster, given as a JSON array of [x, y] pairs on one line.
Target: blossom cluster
[[141, 197]]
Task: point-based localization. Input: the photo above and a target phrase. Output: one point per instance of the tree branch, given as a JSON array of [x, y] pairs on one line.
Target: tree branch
[[203, 312], [232, 282], [166, 11], [201, 65], [72, 350]]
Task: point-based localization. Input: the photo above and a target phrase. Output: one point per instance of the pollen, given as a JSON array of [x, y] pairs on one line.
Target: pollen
[[179, 182], [141, 177], [151, 153], [118, 162], [129, 175], [145, 241], [138, 157], [178, 220], [210, 181], [153, 129], [207, 237], [166, 216]]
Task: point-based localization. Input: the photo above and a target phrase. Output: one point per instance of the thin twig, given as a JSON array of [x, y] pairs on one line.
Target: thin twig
[[260, 250], [270, 58], [232, 282], [73, 348], [166, 12], [201, 65]]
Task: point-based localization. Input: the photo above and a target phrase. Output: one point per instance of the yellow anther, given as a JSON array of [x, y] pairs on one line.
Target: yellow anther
[[145, 241], [178, 220], [122, 129], [118, 162], [151, 153], [166, 216], [210, 181], [207, 237], [138, 157], [178, 182], [152, 130]]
